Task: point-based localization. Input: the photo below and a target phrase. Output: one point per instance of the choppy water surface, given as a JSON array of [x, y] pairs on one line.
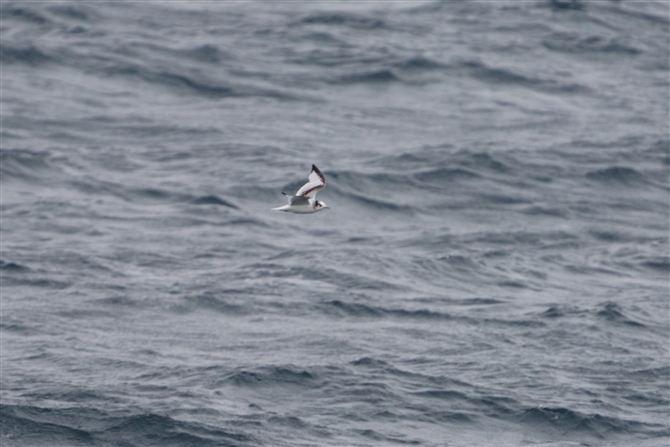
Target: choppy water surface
[[493, 268]]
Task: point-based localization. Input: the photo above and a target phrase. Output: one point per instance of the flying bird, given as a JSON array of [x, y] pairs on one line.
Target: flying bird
[[304, 201]]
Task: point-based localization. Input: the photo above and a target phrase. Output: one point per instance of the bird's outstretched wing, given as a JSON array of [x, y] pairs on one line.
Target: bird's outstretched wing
[[315, 184]]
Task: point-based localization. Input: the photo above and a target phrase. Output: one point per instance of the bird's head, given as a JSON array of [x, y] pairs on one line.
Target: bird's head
[[321, 206]]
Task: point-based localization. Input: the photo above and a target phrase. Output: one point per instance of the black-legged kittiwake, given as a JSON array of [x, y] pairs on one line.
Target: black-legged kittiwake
[[304, 201]]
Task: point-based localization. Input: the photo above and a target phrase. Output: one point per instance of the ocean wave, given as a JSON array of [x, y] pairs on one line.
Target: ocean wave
[[620, 175], [25, 13], [28, 54], [575, 43], [89, 426], [26, 164], [613, 313], [345, 19], [375, 76], [273, 376], [366, 311], [500, 75], [13, 267], [193, 83], [577, 424]]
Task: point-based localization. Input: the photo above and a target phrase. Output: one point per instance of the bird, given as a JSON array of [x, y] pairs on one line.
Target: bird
[[304, 201]]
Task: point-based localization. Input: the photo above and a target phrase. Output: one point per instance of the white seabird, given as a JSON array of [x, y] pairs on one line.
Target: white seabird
[[304, 201]]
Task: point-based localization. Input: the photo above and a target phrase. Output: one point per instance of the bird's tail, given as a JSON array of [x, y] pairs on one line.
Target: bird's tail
[[285, 207]]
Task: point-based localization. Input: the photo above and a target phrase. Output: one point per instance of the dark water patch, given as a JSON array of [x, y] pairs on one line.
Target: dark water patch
[[76, 12], [545, 211], [566, 421], [386, 439], [418, 63], [575, 43], [16, 328], [370, 362], [649, 399], [503, 199], [478, 407], [442, 395], [24, 164], [479, 301], [661, 264], [149, 195], [609, 236], [344, 19], [365, 311], [84, 262], [355, 309], [153, 429], [513, 284], [29, 55], [504, 76], [289, 421], [454, 417], [617, 175], [376, 76], [421, 314], [561, 311], [376, 365], [12, 267], [613, 313], [201, 87], [567, 5], [325, 38], [461, 263], [212, 200], [121, 302], [193, 83], [553, 312], [661, 373], [26, 14], [211, 301], [76, 396], [279, 376], [482, 161], [586, 270], [208, 53], [43, 283], [40, 427], [461, 301], [494, 254], [526, 323]]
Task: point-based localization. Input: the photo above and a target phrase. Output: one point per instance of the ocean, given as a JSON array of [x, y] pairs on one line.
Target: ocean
[[493, 268]]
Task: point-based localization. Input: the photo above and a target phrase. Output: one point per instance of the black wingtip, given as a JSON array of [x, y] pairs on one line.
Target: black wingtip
[[315, 169], [284, 193]]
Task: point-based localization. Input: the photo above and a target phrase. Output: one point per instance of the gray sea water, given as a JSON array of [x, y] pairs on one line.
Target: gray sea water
[[493, 269]]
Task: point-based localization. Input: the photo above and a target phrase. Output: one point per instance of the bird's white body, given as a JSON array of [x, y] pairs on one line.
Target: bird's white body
[[304, 201], [299, 209]]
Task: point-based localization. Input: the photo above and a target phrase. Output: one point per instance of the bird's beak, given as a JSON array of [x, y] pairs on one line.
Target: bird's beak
[[326, 207]]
